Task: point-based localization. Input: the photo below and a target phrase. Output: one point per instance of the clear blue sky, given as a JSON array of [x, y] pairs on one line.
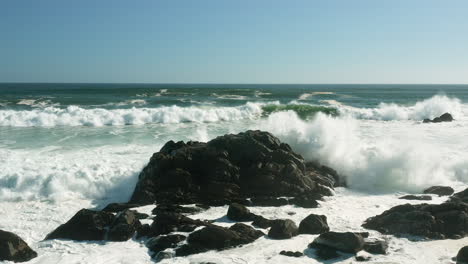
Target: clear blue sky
[[238, 41]]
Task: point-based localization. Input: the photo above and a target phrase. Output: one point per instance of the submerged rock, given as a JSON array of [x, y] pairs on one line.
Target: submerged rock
[[295, 254], [440, 190], [229, 169], [346, 242], [376, 247], [283, 229], [314, 224], [443, 118], [416, 197], [447, 220], [13, 248], [84, 225]]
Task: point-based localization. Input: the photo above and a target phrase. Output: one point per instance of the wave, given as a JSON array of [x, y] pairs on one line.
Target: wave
[[229, 96], [429, 108], [306, 96], [376, 157], [77, 116], [304, 111]]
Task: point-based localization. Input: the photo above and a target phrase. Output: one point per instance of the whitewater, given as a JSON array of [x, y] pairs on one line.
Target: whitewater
[[58, 157]]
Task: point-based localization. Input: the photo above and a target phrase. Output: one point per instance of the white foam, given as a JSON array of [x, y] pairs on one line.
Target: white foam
[[77, 116], [306, 96]]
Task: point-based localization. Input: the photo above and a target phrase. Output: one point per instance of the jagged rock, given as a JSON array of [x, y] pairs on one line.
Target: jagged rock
[[347, 242], [166, 223], [376, 247], [447, 220], [269, 201], [295, 254], [462, 256], [443, 118], [416, 197], [175, 208], [160, 243], [238, 212], [124, 226], [460, 196], [283, 229], [13, 248], [229, 169], [117, 207], [218, 238], [314, 224], [84, 225], [440, 190]]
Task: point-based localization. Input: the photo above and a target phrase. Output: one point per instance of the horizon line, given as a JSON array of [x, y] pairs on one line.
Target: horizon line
[[229, 83]]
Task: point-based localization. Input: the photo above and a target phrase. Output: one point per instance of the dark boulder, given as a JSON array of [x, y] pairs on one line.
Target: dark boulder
[[143, 231], [376, 247], [314, 224], [346, 242], [443, 118], [84, 225], [460, 196], [218, 238], [295, 254], [124, 226], [416, 197], [462, 256], [13, 248], [447, 220], [166, 223], [160, 243], [305, 201], [230, 169], [238, 212], [440, 190], [262, 222], [283, 229]]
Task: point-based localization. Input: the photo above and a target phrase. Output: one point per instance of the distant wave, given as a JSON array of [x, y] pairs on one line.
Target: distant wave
[[306, 96], [230, 96]]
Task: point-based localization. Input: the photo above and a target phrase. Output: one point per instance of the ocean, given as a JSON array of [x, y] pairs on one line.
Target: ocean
[[68, 146]]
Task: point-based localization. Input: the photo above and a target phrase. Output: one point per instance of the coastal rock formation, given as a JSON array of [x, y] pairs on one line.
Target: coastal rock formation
[[160, 243], [314, 224], [443, 118], [231, 168], [460, 196], [238, 212], [447, 220], [13, 248], [283, 229], [346, 242], [440, 190], [124, 226]]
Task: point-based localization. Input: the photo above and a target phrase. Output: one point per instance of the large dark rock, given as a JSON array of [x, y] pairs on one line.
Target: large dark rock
[[124, 226], [346, 242], [84, 225], [443, 118], [229, 169], [376, 247], [175, 208], [160, 243], [166, 223], [262, 222], [462, 256], [460, 196], [283, 229], [218, 238], [447, 220], [440, 190], [314, 224], [238, 212], [13, 248]]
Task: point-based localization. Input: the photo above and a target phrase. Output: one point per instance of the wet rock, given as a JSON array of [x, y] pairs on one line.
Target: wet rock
[[166, 223], [324, 252], [416, 197], [143, 230], [295, 254], [362, 258], [229, 169], [175, 208], [346, 242], [435, 221], [163, 255], [443, 118], [305, 202], [376, 247], [462, 256], [262, 222], [314, 224], [283, 229], [13, 248], [238, 212], [218, 238], [161, 243], [268, 201], [460, 196], [440, 190], [84, 225], [124, 226]]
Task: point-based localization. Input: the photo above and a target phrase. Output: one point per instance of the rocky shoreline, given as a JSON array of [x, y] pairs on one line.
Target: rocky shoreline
[[246, 170]]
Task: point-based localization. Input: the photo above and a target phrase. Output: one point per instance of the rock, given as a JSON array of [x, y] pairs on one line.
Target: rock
[[163, 255], [228, 169], [283, 229], [347, 242], [262, 222], [13, 248], [160, 243], [443, 118], [362, 258], [175, 208], [460, 196], [117, 207], [439, 190], [238, 212], [139, 215], [462, 256], [305, 202], [166, 223], [84, 225], [314, 224], [268, 201], [295, 254], [416, 197], [143, 230], [324, 252], [447, 220], [376, 247], [218, 238], [124, 226]]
